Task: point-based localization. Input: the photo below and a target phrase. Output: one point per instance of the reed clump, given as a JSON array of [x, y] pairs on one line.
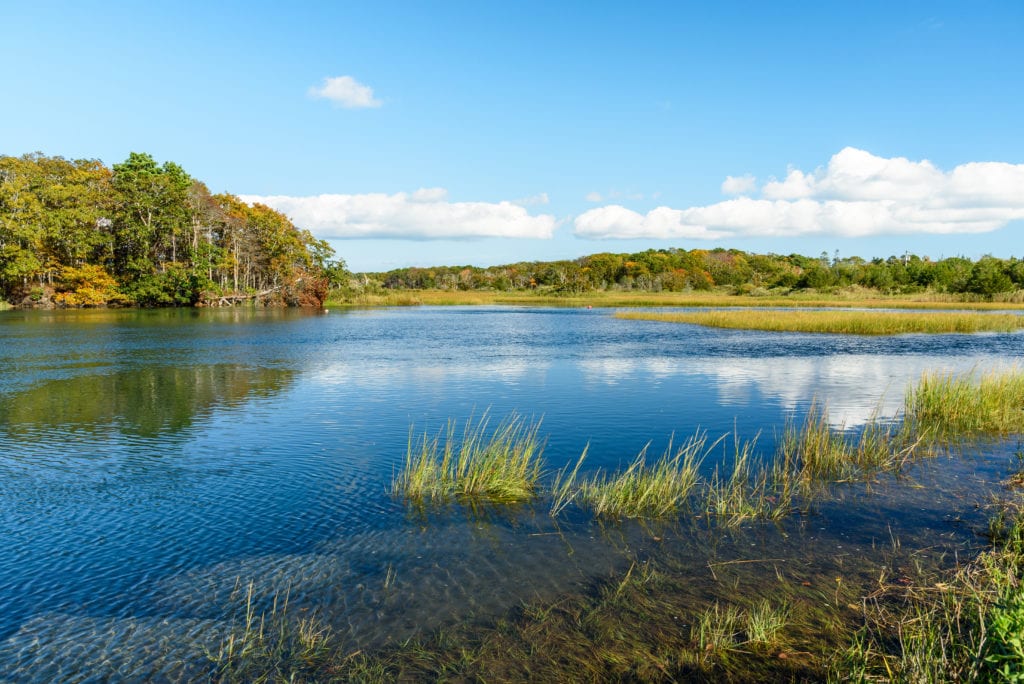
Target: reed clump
[[646, 490], [501, 466], [839, 322], [948, 407], [812, 453], [747, 492]]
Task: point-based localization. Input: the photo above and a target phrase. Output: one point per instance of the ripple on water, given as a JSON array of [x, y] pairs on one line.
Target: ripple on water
[[153, 465]]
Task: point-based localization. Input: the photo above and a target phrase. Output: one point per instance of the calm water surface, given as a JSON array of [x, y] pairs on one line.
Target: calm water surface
[[151, 462]]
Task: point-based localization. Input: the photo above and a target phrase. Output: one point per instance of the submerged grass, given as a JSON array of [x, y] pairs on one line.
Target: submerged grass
[[273, 646], [950, 407], [501, 466], [840, 322]]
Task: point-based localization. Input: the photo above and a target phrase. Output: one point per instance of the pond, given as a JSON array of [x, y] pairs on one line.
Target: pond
[[153, 464]]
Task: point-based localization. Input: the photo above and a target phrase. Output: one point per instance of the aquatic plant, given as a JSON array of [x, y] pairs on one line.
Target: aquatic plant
[[812, 453], [748, 492], [718, 629], [839, 322], [967, 627], [949, 407], [272, 646], [502, 465], [645, 490], [765, 622]]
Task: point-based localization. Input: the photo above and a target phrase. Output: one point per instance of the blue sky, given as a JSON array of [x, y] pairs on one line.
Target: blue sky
[[485, 133]]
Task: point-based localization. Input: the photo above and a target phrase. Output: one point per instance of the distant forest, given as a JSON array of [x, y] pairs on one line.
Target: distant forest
[[676, 270], [77, 233]]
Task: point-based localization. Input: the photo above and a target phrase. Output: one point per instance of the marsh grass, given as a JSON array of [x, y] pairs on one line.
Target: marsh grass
[[839, 322], [766, 622], [746, 493], [369, 299], [969, 627], [812, 453], [718, 629], [949, 407], [273, 646], [501, 465], [644, 490], [641, 625]]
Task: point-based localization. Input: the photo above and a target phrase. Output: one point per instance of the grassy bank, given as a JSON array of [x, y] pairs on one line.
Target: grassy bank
[[839, 322], [613, 299]]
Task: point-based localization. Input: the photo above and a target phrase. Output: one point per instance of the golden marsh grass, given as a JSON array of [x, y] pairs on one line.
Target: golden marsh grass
[[839, 322]]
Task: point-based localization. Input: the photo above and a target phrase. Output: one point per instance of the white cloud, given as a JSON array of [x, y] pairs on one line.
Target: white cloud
[[424, 214], [593, 197], [615, 221], [738, 185], [857, 194], [346, 92]]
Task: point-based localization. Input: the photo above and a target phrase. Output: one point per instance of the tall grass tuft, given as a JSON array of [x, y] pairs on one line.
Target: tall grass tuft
[[948, 407], [766, 621], [748, 492], [813, 450], [646, 490], [501, 466], [812, 453]]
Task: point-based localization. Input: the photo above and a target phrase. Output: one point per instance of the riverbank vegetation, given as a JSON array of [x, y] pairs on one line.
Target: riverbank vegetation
[[701, 272], [839, 322], [847, 298], [78, 233]]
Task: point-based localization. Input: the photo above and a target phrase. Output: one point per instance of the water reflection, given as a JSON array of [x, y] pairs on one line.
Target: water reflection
[[145, 401], [855, 388]]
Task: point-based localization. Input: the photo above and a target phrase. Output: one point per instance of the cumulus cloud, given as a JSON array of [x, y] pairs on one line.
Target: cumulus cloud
[[615, 221], [424, 214], [857, 194], [346, 92]]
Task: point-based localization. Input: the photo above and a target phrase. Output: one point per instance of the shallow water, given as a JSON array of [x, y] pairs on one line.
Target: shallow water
[[151, 462]]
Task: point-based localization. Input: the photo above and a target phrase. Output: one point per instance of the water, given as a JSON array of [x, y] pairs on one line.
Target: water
[[151, 462]]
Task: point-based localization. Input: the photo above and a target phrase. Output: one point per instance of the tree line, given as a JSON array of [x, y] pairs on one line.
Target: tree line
[[79, 233], [676, 270]]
